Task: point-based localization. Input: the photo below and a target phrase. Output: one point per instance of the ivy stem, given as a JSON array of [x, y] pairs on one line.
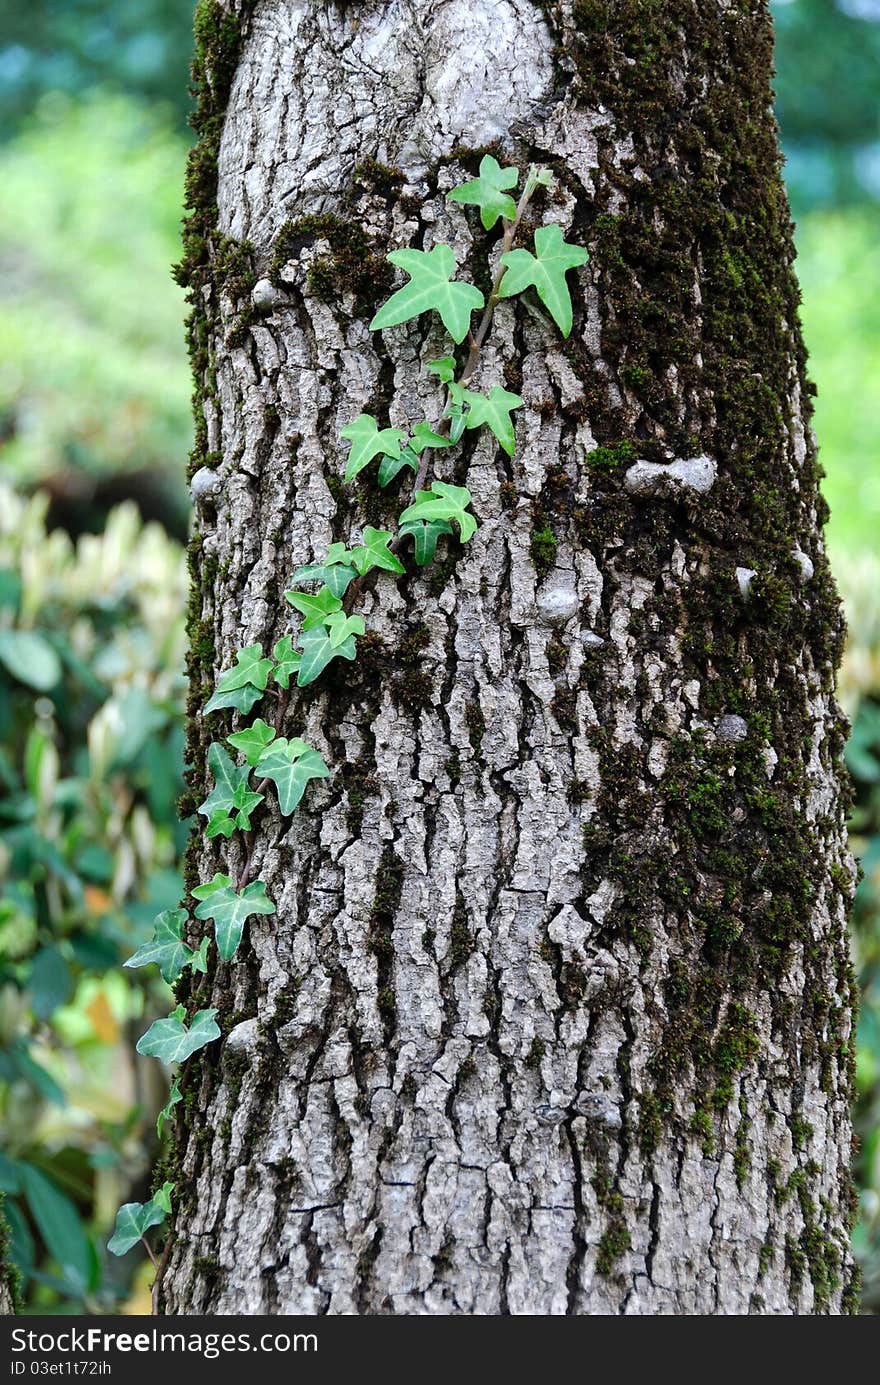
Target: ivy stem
[[160, 1266], [146, 1245], [510, 231]]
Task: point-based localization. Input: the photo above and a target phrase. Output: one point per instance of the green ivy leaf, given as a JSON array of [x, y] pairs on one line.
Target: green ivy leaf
[[424, 534], [390, 466], [317, 651], [291, 773], [546, 272], [230, 911], [487, 192], [373, 552], [241, 699], [250, 668], [368, 440], [254, 739], [162, 1197], [444, 368], [316, 608], [217, 881], [336, 553], [340, 626], [135, 1218], [495, 413], [335, 572], [424, 436], [288, 660], [456, 410], [244, 800], [172, 1042], [220, 825], [166, 947], [430, 286], [227, 778], [174, 1096], [291, 748], [443, 501]]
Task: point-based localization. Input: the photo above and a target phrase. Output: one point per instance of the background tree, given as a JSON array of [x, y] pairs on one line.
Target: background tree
[[555, 1012]]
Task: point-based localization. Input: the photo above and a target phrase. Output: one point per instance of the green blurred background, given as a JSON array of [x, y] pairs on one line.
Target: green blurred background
[[94, 430]]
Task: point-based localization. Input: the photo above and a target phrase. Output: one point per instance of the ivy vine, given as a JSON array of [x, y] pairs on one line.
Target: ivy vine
[[324, 595]]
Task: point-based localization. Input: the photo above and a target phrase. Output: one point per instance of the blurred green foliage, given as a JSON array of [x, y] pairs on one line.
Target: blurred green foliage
[[859, 576], [91, 690], [827, 61], [94, 382], [138, 46], [839, 270], [94, 372]]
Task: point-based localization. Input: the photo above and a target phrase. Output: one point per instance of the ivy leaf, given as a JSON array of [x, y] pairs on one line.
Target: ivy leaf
[[456, 410], [444, 368], [495, 413], [199, 959], [544, 271], [335, 575], [135, 1218], [174, 1096], [317, 608], [287, 661], [166, 947], [254, 739], [291, 773], [443, 501], [373, 552], [217, 881], [424, 436], [367, 441], [170, 1040], [245, 801], [487, 192], [317, 651], [241, 699], [250, 667], [230, 910], [430, 286], [227, 778], [162, 1197], [241, 687], [390, 466], [291, 748], [340, 626], [220, 825], [424, 534]]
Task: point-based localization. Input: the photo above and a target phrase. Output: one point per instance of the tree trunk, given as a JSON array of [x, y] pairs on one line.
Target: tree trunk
[[555, 1015]]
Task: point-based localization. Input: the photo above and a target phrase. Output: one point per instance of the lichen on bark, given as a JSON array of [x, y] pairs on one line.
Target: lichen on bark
[[555, 1015]]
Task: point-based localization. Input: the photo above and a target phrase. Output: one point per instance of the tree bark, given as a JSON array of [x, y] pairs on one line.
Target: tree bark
[[555, 1015]]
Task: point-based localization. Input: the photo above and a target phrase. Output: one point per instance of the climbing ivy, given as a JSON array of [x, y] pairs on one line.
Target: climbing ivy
[[325, 593]]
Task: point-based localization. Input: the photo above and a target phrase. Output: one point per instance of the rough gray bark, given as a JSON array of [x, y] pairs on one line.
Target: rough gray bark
[[523, 1036]]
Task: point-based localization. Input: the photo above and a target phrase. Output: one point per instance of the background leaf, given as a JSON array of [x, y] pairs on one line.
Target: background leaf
[[59, 1224], [30, 658]]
